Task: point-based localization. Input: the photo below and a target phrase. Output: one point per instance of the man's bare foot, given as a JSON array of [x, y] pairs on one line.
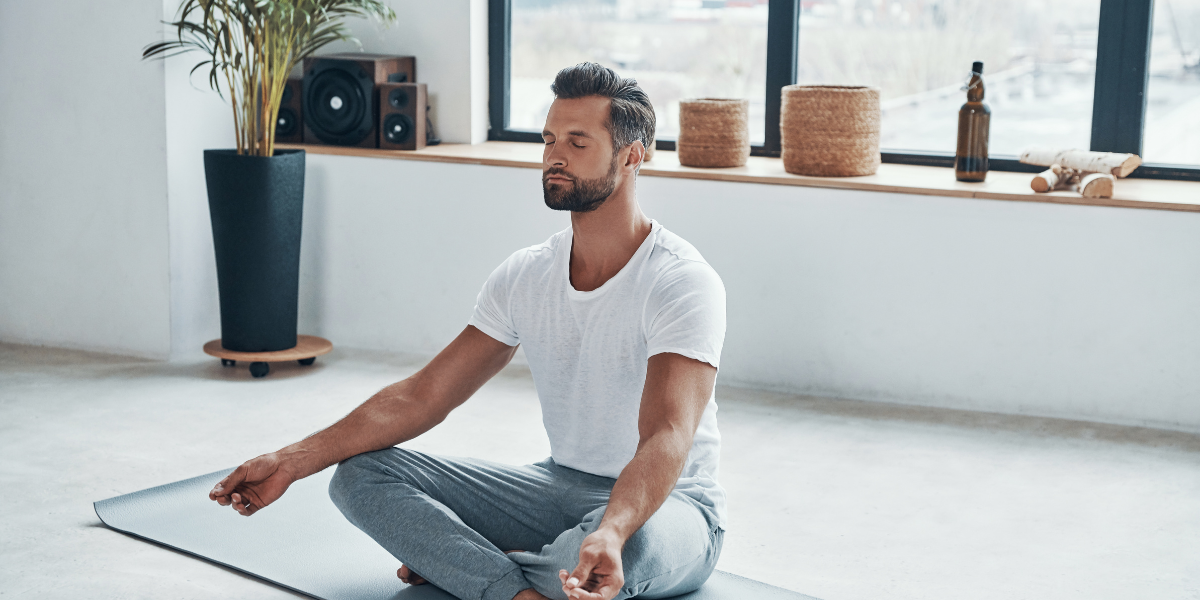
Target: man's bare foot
[[408, 576]]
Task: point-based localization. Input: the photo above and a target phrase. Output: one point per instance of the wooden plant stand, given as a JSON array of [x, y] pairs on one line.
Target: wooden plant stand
[[306, 350]]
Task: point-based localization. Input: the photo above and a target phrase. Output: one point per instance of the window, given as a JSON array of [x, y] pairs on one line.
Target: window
[[1115, 75], [1172, 132], [675, 50], [1039, 66]]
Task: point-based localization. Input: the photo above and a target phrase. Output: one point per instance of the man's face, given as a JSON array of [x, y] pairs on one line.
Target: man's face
[[579, 169]]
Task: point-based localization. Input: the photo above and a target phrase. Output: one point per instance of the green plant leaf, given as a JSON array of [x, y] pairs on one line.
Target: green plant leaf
[[253, 45]]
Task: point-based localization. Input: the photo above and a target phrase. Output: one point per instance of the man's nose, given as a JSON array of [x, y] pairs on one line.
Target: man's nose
[[554, 158]]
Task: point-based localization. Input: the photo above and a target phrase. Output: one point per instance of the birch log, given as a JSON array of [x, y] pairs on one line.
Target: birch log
[[1046, 180], [1118, 165], [1097, 185]]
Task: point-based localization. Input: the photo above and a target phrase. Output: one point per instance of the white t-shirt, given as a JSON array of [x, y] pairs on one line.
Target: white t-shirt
[[588, 350]]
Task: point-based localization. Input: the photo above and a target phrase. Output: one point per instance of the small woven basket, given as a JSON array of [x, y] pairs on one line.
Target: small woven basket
[[830, 130], [713, 132]]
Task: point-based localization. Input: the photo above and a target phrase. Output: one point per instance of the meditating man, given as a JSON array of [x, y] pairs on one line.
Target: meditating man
[[622, 322]]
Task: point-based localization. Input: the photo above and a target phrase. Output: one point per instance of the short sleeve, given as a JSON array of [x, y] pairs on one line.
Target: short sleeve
[[492, 315], [686, 313]]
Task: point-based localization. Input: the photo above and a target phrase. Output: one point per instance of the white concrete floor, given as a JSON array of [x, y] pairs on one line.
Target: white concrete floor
[[837, 499]]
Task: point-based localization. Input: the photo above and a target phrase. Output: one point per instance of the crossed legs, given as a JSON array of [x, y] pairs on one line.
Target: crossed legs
[[452, 519]]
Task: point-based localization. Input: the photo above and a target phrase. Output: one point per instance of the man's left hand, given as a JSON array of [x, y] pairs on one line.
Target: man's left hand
[[598, 576]]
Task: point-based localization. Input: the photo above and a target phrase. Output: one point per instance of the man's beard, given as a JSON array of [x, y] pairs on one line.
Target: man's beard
[[583, 195]]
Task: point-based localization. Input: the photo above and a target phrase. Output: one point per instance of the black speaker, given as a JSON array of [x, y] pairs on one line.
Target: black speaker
[[402, 110], [289, 125], [340, 104]]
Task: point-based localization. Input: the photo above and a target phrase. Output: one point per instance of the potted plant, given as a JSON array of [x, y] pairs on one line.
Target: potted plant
[[255, 192]]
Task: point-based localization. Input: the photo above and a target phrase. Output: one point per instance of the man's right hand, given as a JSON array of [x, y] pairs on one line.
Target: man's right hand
[[252, 486], [396, 414]]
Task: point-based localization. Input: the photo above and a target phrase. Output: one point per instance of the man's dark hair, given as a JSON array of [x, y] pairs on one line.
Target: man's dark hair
[[631, 116]]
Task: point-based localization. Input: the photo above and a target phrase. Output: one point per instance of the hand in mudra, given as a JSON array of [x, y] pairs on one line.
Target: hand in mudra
[[598, 576], [252, 486]]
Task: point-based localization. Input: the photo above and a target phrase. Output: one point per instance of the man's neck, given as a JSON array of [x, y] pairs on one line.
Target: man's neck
[[605, 239]]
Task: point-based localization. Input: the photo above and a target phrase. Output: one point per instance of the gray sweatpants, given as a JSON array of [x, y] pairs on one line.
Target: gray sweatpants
[[451, 519]]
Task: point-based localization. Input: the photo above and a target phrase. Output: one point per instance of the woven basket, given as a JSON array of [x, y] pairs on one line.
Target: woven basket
[[830, 130], [713, 132]]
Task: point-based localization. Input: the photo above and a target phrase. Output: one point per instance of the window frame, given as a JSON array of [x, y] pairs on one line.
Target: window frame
[[1118, 106]]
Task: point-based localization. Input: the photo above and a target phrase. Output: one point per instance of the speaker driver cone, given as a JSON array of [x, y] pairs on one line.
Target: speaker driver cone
[[286, 123], [397, 128], [398, 98], [337, 105]]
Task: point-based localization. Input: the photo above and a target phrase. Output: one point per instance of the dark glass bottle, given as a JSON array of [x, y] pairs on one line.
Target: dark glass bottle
[[974, 118]]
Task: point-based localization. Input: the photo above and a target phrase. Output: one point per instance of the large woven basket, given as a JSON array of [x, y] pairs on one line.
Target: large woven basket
[[713, 132], [830, 130]]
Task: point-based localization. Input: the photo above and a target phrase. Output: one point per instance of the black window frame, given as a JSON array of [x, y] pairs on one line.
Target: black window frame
[[1118, 105]]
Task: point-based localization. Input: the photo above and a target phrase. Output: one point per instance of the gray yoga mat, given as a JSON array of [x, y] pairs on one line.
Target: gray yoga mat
[[303, 543]]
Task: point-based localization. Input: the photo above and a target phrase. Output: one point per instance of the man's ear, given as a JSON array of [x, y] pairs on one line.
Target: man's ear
[[637, 155]]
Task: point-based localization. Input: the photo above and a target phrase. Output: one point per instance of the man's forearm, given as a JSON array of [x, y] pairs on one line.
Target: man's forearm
[[390, 417], [646, 482]]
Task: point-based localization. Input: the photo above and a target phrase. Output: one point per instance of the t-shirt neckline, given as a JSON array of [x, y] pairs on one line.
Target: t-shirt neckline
[[638, 256]]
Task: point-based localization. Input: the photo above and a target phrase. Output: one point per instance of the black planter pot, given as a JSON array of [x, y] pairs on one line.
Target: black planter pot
[[256, 204]]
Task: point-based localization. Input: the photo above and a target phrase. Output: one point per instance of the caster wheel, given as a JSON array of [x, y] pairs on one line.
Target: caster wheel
[[225, 362], [259, 369], [307, 361]]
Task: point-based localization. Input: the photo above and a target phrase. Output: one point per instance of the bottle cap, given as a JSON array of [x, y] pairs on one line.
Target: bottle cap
[[977, 67]]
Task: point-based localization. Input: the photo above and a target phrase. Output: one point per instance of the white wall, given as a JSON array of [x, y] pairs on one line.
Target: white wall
[[1045, 309], [1015, 307], [394, 252], [1029, 308], [196, 119], [83, 212]]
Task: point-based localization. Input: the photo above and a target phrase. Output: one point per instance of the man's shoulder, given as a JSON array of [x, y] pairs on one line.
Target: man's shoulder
[[677, 260], [671, 248], [672, 252]]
